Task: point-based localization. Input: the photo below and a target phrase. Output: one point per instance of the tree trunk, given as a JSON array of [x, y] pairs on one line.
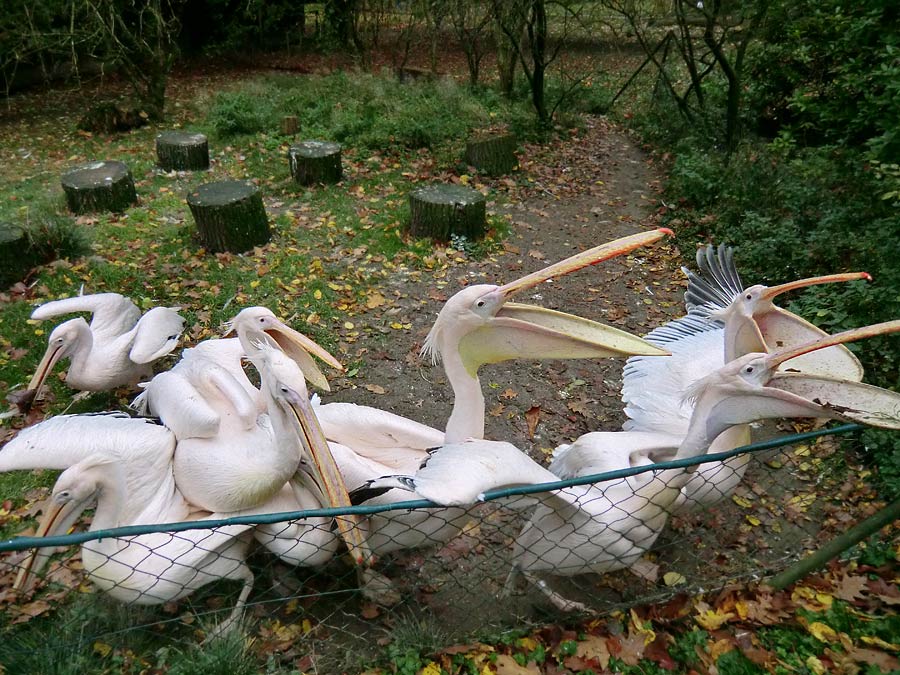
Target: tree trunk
[[182, 151], [16, 257], [99, 187], [315, 162], [493, 154], [442, 211], [230, 216], [509, 22]]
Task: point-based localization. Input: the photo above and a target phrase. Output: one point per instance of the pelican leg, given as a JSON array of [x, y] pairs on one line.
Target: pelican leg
[[558, 601], [234, 619]]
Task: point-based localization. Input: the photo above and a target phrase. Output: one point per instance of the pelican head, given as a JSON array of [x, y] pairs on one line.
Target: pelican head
[[754, 324], [752, 388], [255, 324], [64, 340], [76, 489], [484, 327]]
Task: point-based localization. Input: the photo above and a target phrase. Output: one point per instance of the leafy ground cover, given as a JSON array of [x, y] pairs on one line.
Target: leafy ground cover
[[340, 269]]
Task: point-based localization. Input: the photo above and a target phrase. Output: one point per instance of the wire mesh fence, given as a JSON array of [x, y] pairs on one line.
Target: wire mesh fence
[[443, 574]]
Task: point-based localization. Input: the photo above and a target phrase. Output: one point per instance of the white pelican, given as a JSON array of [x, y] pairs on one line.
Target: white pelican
[[479, 326], [724, 321], [116, 349], [145, 569], [240, 469], [608, 526]]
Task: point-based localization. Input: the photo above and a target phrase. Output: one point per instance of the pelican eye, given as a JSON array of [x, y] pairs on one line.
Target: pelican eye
[[480, 303], [749, 369], [65, 494], [749, 296]]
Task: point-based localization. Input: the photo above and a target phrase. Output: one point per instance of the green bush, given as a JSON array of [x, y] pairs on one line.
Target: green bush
[[363, 110]]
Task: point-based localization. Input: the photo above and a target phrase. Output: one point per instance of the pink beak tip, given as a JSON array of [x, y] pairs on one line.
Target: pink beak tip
[[665, 230], [866, 276]]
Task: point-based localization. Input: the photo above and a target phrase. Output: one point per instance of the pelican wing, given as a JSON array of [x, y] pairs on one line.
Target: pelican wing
[[113, 314], [603, 451], [654, 389], [379, 435], [156, 334], [718, 282], [65, 440]]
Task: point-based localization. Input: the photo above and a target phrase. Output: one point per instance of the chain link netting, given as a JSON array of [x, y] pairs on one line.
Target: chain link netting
[[442, 574]]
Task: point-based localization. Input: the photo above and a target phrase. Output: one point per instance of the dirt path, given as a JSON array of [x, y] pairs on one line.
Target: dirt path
[[594, 187]]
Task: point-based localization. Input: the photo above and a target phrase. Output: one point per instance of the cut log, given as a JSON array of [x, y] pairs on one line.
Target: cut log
[[493, 154], [16, 256], [182, 151], [230, 216], [99, 187], [315, 162], [290, 125], [441, 211]]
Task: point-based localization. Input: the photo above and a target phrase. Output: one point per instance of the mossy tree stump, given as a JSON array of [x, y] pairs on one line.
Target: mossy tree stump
[[182, 151], [493, 154], [230, 216], [315, 162], [16, 256], [99, 187], [441, 211]]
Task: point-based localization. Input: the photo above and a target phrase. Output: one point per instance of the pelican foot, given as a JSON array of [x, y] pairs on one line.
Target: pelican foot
[[561, 603], [230, 626], [378, 588]]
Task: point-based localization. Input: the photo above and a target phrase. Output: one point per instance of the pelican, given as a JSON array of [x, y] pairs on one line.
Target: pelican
[[209, 380], [609, 526], [146, 569], [116, 349], [479, 326], [724, 321], [240, 468]]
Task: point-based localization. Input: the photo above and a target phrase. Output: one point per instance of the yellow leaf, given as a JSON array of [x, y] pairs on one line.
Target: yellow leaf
[[528, 644], [348, 325], [754, 521], [102, 648], [464, 179], [825, 599], [317, 294], [743, 609], [822, 632], [815, 665], [741, 501], [375, 299], [673, 578], [254, 283], [712, 619], [396, 326], [878, 642], [431, 669]]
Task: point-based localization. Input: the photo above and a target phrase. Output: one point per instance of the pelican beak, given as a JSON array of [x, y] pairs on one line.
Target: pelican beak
[[777, 328], [330, 480], [773, 291], [45, 367], [301, 349], [520, 331], [57, 520], [590, 257]]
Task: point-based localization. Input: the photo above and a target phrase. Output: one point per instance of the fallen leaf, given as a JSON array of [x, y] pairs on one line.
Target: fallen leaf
[[822, 632], [507, 665], [376, 389], [509, 394], [673, 578], [532, 417]]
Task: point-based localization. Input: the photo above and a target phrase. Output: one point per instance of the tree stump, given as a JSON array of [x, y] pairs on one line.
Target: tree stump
[[230, 216], [440, 211], [315, 162], [493, 154], [182, 151], [99, 187], [16, 257], [290, 125]]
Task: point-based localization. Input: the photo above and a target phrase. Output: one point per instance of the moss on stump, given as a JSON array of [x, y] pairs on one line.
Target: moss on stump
[[493, 154], [230, 216], [182, 151], [99, 187], [315, 162], [441, 211]]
